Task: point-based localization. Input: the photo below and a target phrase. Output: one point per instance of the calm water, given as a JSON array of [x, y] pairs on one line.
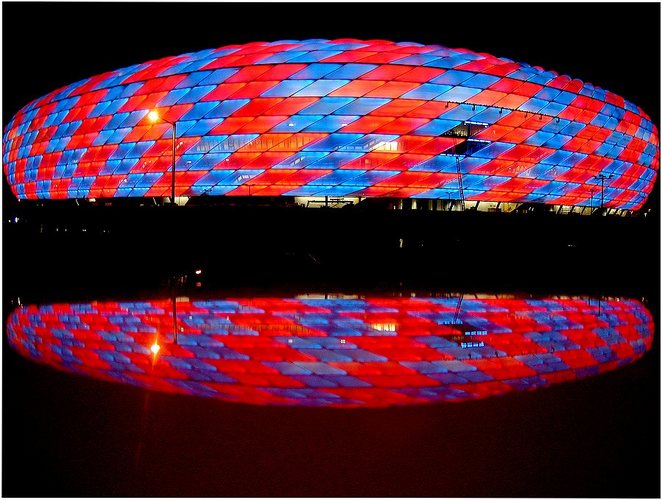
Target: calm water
[[331, 368]]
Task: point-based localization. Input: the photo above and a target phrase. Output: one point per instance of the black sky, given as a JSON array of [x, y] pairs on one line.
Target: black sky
[[48, 45]]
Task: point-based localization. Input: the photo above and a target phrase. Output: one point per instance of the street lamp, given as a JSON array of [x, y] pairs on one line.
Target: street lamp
[[602, 178], [154, 117]]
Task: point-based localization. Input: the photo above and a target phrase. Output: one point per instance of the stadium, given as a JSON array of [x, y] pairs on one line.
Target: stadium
[[336, 123]]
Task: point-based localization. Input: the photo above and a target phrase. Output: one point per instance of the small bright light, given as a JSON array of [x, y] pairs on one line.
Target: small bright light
[[155, 348], [153, 116], [290, 124], [198, 271]]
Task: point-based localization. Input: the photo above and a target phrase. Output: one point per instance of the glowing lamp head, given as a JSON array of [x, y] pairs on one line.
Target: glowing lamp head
[[153, 116], [155, 348]]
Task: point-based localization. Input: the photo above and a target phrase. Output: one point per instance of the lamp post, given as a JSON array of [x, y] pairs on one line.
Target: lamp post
[[602, 178], [154, 117]]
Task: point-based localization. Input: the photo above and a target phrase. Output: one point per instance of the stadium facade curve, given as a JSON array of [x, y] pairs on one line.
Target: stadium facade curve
[[319, 118]]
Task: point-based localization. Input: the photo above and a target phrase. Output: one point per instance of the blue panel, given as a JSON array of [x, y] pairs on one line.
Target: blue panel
[[362, 106], [282, 57], [321, 88], [533, 105], [172, 97], [351, 71], [118, 135], [301, 159], [565, 97], [440, 163], [218, 76], [539, 138], [315, 71], [573, 128], [480, 81], [116, 120], [553, 109], [344, 190], [426, 91], [326, 105], [286, 88], [333, 142], [330, 123], [559, 157], [192, 79], [416, 60], [199, 110], [463, 112], [336, 177], [201, 127], [196, 94], [368, 142], [314, 56], [458, 94], [557, 141], [296, 123], [371, 177], [547, 94], [491, 115], [436, 127], [226, 108]]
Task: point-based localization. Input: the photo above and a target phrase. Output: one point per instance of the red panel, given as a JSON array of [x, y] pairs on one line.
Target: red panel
[[438, 145], [257, 107], [519, 152], [506, 85], [511, 101], [405, 161], [230, 125], [420, 74], [494, 167], [402, 125], [370, 161], [253, 89], [304, 176], [280, 72], [408, 143], [397, 107], [570, 113], [367, 124], [356, 88], [518, 135], [486, 97], [298, 141], [271, 176], [236, 161], [513, 119], [223, 62], [222, 91], [380, 58], [249, 74], [137, 133], [349, 56], [291, 105], [170, 82], [386, 72]]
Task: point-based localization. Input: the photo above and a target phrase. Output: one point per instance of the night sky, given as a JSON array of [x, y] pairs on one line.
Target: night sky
[[615, 46]]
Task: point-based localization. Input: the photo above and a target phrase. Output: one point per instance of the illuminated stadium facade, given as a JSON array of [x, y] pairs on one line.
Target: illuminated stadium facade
[[342, 351], [343, 119]]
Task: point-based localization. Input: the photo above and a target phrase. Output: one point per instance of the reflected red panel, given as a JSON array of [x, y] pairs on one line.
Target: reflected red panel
[[343, 351]]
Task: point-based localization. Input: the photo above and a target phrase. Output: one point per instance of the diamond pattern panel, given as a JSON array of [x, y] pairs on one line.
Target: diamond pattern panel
[[342, 105], [337, 351]]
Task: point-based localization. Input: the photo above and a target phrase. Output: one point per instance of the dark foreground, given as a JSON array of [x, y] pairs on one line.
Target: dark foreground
[[72, 436]]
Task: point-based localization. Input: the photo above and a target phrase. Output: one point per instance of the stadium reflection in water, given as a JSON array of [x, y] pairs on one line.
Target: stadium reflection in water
[[339, 350]]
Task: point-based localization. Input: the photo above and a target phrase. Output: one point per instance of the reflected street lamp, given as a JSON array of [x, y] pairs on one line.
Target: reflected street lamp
[[154, 117]]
